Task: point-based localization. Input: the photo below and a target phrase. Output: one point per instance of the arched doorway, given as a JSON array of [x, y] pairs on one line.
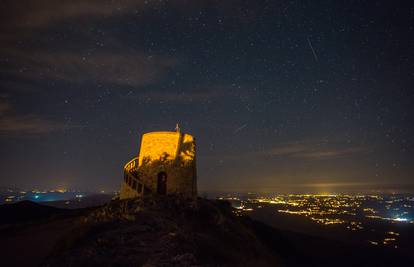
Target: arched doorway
[[162, 183]]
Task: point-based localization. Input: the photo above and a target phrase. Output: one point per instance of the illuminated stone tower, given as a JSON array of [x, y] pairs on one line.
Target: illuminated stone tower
[[166, 165]]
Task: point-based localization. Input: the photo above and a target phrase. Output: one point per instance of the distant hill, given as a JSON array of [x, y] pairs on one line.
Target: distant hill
[[26, 211], [88, 201]]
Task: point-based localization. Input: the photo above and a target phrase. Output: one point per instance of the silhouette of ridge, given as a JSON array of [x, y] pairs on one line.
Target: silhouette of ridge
[[163, 231]]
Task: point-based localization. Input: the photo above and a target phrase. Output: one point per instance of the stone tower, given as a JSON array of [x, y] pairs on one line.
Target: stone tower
[[166, 164]]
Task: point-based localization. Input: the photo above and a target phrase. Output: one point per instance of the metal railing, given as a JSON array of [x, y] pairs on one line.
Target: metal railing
[[131, 177]]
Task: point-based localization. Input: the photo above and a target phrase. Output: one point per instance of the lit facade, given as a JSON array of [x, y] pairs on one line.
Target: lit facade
[[166, 164]]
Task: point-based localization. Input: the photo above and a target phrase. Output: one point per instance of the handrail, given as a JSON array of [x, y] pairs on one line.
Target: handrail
[[132, 164], [131, 178]]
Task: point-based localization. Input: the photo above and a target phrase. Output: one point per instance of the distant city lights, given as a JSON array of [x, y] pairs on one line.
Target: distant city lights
[[352, 212], [400, 219], [37, 195]]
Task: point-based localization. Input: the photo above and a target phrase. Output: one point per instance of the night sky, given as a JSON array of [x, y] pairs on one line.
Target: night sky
[[279, 94]]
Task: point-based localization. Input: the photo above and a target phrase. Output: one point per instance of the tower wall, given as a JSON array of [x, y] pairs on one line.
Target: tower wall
[[166, 153], [155, 145], [172, 153]]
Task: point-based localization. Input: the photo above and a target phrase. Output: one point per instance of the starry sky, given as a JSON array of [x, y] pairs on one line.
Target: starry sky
[[280, 94]]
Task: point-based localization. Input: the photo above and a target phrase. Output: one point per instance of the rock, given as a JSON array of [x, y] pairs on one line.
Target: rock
[[164, 231]]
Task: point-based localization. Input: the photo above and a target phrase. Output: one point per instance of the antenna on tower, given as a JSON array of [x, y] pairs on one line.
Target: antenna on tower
[[177, 128]]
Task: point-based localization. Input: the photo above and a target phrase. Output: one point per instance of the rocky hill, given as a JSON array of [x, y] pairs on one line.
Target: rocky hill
[[163, 231]]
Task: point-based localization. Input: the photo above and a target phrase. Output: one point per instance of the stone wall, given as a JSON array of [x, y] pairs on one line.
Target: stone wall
[[127, 192], [156, 145], [169, 152], [172, 153]]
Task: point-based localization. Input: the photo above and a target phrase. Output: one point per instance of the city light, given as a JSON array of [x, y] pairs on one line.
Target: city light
[[351, 212], [400, 219]]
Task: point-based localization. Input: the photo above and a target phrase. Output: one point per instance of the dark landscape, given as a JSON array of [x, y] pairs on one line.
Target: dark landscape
[[174, 231], [212, 133]]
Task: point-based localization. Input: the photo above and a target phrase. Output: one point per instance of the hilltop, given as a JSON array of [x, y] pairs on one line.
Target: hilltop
[[163, 231]]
